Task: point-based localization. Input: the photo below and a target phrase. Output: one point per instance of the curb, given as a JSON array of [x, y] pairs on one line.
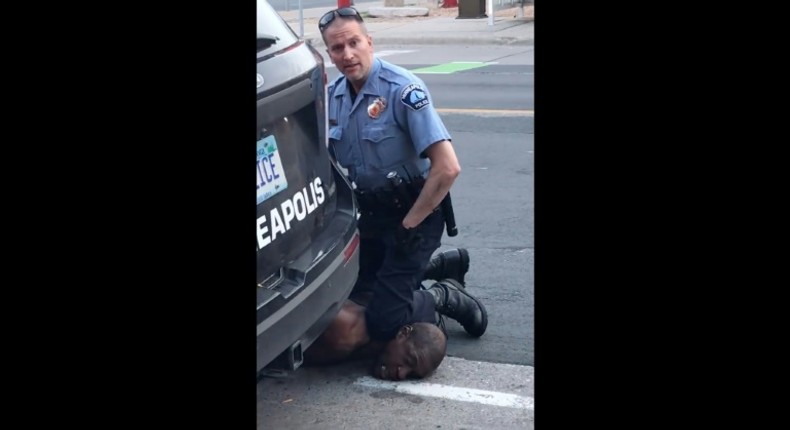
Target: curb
[[397, 12]]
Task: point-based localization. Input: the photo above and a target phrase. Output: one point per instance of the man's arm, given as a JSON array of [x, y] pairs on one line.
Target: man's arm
[[444, 169]]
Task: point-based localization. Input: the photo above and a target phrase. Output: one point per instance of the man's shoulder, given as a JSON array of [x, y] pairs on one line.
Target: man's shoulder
[[396, 75], [337, 79], [334, 83], [405, 85]]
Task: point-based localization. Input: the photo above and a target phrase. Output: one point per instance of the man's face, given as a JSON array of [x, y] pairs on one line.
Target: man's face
[[398, 361], [349, 49]]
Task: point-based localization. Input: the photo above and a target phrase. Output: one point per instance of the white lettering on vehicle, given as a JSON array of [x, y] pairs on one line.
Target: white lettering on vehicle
[[302, 203], [277, 224], [301, 211], [288, 212]]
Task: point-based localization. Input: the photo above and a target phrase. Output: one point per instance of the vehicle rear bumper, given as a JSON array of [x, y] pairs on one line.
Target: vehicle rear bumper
[[307, 315]]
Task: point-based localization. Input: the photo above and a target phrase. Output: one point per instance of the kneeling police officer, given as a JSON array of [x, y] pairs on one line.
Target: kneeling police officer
[[384, 130]]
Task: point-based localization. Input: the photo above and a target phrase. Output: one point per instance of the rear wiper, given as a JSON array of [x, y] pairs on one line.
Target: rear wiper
[[266, 40]]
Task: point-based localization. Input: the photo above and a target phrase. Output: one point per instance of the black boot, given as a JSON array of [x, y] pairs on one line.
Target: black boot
[[451, 264], [453, 300]]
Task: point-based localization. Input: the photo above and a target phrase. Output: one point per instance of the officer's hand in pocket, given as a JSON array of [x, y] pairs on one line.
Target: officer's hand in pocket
[[408, 239]]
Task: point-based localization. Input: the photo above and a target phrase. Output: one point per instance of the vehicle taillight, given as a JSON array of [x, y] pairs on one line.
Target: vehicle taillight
[[351, 248]]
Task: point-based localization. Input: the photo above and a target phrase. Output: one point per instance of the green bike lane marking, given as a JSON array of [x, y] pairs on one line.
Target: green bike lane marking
[[444, 69]]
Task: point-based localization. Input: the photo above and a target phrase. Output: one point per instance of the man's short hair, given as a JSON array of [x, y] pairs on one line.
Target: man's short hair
[[343, 12], [336, 16], [429, 346]]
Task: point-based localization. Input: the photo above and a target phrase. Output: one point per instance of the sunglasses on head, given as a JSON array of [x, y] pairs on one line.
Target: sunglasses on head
[[330, 16]]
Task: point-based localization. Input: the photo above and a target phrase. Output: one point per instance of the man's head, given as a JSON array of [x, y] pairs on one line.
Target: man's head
[[348, 44], [416, 351]]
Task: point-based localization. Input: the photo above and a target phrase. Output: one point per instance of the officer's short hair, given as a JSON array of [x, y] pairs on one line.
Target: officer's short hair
[[429, 345], [346, 18]]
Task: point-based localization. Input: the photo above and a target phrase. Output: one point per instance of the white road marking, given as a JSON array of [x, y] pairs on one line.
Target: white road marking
[[393, 52], [462, 394]]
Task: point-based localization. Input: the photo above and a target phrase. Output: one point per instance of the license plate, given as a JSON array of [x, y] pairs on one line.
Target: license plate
[[271, 174]]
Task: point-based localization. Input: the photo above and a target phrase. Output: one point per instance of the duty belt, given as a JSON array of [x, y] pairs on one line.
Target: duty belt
[[380, 203]]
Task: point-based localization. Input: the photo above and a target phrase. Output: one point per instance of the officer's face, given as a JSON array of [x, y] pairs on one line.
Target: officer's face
[[350, 49]]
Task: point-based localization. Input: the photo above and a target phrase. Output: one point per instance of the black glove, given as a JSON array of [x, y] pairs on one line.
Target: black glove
[[407, 240]]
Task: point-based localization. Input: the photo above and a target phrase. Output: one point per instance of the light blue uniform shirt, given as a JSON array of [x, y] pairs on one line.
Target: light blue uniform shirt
[[370, 144]]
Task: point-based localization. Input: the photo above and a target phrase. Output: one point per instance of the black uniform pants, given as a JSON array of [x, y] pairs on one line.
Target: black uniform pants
[[392, 278]]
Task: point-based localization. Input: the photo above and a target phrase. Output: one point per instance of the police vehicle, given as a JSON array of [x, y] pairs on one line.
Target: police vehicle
[[307, 236]]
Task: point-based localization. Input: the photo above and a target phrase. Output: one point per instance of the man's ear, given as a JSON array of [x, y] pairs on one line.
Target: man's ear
[[404, 332]]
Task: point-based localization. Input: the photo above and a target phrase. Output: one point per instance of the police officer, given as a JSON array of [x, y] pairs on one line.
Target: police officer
[[384, 130]]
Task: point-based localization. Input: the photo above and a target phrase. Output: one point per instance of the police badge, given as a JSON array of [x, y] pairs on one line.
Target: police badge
[[377, 107]]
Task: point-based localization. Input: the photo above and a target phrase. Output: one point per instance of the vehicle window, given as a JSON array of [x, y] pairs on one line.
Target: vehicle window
[[273, 33]]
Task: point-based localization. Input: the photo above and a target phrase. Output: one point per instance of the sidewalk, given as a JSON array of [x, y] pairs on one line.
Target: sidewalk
[[440, 27]]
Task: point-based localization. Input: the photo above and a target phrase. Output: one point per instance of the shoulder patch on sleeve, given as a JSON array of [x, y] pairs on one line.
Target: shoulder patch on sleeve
[[414, 97]]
